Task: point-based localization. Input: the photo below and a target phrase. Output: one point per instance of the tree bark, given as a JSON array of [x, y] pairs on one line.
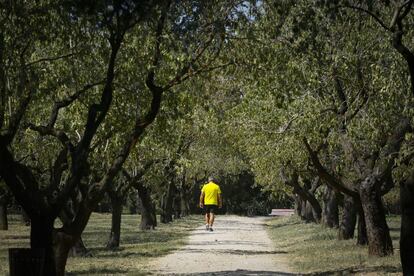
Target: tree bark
[[330, 213], [63, 244], [148, 216], [41, 237], [4, 225], [349, 218], [25, 218], [177, 205], [167, 204], [298, 205], [308, 213], [79, 250], [66, 216], [379, 239], [407, 225], [185, 205], [362, 228], [115, 234], [310, 209]]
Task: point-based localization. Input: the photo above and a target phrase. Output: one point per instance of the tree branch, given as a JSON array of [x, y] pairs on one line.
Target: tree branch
[[66, 102], [59, 134], [392, 148], [331, 180], [396, 19], [3, 90], [374, 16], [49, 59], [59, 166], [26, 86]]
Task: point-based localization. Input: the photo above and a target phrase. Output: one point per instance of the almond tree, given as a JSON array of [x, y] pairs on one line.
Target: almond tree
[[88, 48]]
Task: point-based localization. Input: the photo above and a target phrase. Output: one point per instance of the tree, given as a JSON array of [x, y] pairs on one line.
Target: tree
[[161, 62], [4, 202]]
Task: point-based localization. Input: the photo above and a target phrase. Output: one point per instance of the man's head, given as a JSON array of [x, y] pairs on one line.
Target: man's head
[[210, 179]]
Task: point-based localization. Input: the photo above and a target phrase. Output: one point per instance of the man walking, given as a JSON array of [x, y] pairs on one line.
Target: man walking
[[210, 199]]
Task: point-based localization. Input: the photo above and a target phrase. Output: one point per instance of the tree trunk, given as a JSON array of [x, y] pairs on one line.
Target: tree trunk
[[298, 205], [79, 250], [185, 206], [330, 213], [25, 218], [63, 244], [66, 237], [177, 206], [4, 225], [66, 216], [379, 239], [148, 216], [362, 228], [167, 204], [310, 209], [407, 225], [41, 237], [307, 212], [348, 222], [115, 234]]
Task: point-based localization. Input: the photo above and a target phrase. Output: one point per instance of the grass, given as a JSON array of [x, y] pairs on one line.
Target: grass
[[315, 249], [137, 248]]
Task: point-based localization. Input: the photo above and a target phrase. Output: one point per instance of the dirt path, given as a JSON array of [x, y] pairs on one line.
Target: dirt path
[[238, 246]]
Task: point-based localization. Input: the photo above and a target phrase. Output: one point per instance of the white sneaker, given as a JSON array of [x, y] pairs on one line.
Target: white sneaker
[[207, 227]]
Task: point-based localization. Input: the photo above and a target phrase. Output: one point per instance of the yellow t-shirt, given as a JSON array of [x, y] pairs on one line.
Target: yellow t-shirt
[[211, 191]]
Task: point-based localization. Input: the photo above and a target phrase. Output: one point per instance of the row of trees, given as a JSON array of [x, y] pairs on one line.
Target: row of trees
[[327, 112], [78, 94], [311, 99]]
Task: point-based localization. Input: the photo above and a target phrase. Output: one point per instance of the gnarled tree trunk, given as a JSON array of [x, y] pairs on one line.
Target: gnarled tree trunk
[[167, 204], [362, 238], [330, 212], [407, 225], [115, 234], [148, 216], [349, 217], [41, 237], [310, 209], [177, 205], [308, 213], [4, 225], [79, 250], [185, 205], [25, 218], [298, 205], [379, 239]]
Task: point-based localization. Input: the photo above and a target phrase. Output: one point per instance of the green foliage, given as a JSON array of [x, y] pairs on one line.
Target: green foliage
[[259, 77]]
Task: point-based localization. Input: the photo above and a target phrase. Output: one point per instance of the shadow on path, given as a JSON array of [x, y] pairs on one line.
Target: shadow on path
[[232, 251], [237, 272], [346, 271]]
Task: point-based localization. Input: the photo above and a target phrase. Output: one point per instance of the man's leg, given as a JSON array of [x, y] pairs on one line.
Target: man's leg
[[211, 221], [212, 216], [207, 218]]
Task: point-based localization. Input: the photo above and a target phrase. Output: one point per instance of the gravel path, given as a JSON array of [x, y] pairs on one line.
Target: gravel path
[[238, 246]]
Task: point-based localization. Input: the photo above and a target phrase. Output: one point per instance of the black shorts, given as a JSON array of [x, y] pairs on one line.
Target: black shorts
[[210, 208]]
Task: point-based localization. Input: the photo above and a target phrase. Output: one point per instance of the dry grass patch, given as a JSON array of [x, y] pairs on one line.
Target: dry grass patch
[[313, 248], [136, 250]]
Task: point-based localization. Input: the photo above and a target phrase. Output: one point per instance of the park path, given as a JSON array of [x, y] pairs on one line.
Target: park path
[[238, 246]]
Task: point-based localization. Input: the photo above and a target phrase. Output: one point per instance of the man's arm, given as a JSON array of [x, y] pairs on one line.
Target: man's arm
[[202, 200]]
